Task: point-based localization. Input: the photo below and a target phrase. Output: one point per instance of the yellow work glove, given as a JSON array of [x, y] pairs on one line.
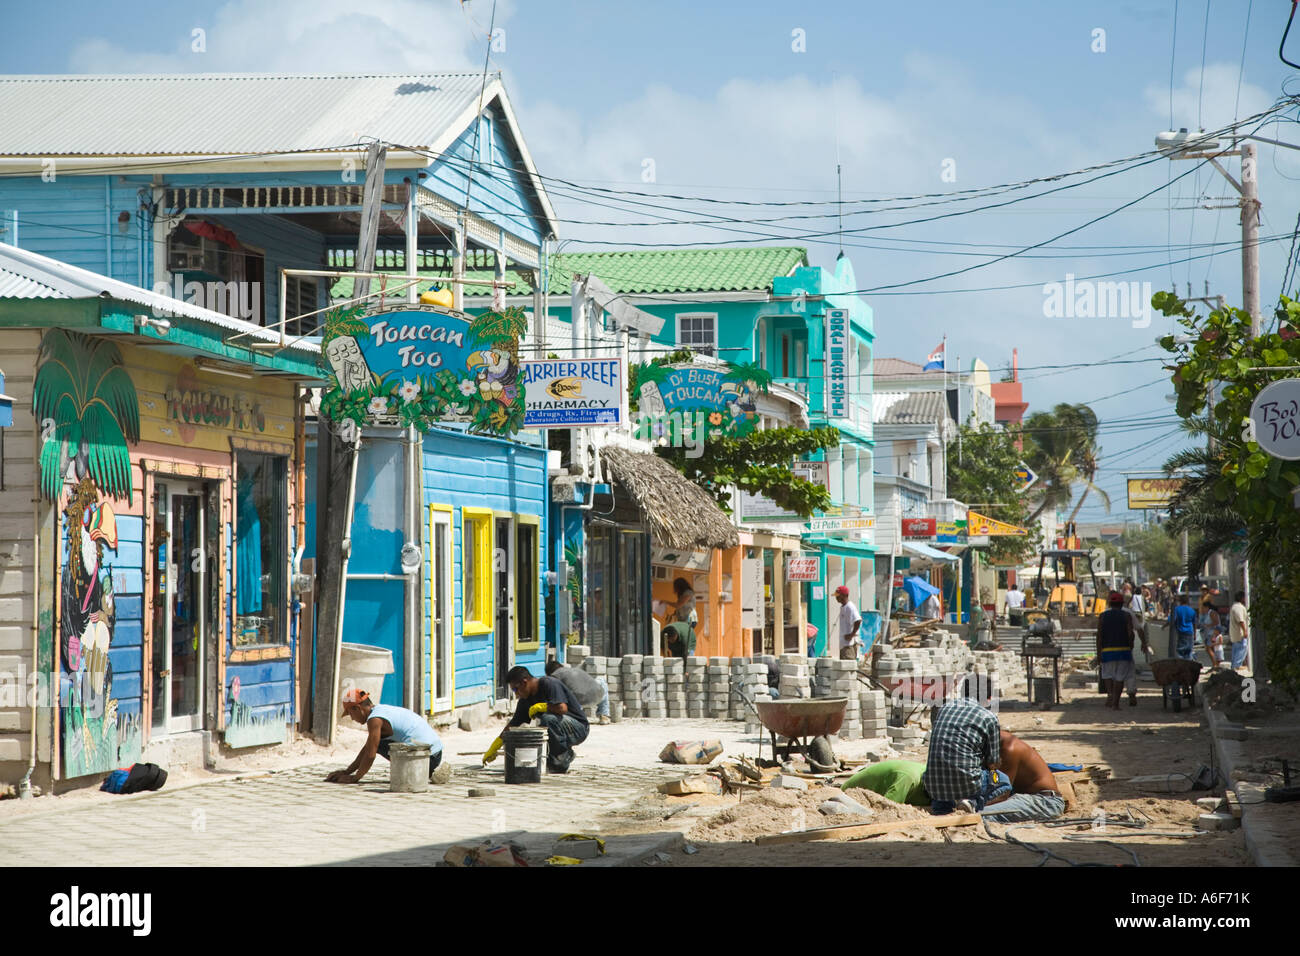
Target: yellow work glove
[[536, 709], [492, 751]]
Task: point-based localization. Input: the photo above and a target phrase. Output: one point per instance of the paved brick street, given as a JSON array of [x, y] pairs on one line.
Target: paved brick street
[[292, 817]]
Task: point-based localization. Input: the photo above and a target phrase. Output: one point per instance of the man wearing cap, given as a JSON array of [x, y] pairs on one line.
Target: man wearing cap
[[850, 623], [385, 725], [1115, 633]]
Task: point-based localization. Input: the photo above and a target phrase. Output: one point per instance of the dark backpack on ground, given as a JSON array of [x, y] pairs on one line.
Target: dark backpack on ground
[[144, 776]]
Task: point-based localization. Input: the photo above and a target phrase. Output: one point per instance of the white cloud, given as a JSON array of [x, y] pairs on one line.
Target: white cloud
[[308, 36]]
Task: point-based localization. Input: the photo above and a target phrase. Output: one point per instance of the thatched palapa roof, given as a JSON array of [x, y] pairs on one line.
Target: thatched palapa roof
[[678, 512]]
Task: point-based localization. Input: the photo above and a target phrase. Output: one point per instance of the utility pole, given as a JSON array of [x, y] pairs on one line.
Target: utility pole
[[337, 481], [1249, 237]]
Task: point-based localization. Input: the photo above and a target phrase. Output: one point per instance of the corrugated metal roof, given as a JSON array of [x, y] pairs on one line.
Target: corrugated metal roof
[[223, 114], [29, 275], [887, 367], [16, 285], [649, 271], [908, 408]]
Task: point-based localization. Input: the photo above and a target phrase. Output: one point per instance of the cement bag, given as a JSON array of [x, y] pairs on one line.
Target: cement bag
[[691, 751]]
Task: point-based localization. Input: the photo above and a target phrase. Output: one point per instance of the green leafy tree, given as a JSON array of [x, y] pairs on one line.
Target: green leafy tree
[[759, 463], [1223, 358], [1157, 553], [981, 471]]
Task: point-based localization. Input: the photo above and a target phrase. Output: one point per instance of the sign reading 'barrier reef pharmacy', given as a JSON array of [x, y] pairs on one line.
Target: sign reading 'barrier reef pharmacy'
[[572, 392]]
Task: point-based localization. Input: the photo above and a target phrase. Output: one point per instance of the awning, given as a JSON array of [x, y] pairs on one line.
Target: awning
[[679, 513], [925, 551]]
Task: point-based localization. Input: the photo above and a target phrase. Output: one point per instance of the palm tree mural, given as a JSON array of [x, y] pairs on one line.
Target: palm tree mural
[[496, 370], [84, 389], [751, 373]]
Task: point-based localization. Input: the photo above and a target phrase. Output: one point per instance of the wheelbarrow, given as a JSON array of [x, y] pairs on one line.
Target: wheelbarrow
[[800, 721], [1177, 679]]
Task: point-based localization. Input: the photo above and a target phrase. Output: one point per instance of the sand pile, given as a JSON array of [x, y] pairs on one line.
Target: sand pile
[[778, 811]]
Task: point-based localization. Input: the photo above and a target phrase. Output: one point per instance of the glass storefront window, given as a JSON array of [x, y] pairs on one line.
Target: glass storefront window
[[261, 549]]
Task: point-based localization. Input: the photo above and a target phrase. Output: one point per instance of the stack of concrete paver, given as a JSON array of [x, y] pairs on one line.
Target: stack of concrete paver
[[873, 705], [675, 686], [575, 655], [697, 686], [752, 681], [795, 680], [718, 673], [614, 679], [739, 671], [910, 737], [652, 686], [844, 683], [630, 671]]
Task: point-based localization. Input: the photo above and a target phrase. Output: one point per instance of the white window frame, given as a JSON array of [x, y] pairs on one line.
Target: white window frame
[[712, 317]]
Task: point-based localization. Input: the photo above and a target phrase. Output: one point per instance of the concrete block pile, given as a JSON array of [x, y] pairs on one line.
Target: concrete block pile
[[718, 674], [652, 686], [752, 681], [697, 686], [700, 687], [795, 681], [675, 686], [630, 670], [873, 706]]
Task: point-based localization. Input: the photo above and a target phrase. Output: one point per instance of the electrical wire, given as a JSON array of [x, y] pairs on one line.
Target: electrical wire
[[1281, 47]]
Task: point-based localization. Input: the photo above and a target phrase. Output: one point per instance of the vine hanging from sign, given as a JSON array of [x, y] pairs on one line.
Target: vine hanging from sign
[[424, 367]]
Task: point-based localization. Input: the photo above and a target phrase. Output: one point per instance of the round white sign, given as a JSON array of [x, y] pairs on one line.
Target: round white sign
[[1275, 414]]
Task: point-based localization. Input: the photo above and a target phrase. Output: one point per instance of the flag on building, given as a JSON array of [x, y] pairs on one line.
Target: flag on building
[[935, 362]]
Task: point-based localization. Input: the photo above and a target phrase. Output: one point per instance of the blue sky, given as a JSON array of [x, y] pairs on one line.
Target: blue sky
[[715, 95]]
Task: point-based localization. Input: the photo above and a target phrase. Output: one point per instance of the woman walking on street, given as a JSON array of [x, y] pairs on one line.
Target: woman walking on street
[[1211, 633]]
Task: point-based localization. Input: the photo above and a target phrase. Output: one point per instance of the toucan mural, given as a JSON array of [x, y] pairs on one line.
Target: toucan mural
[[87, 409]]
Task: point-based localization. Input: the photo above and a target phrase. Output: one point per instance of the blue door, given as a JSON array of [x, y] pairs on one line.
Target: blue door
[[374, 612]]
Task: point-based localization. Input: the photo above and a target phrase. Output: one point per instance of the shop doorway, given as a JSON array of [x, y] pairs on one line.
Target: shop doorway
[[442, 678], [503, 580], [185, 602]]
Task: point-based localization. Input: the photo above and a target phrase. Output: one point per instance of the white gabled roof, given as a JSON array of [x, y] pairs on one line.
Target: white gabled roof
[[246, 115], [29, 275]]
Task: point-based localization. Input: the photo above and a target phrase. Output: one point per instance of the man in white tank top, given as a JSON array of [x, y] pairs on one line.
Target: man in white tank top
[[385, 725]]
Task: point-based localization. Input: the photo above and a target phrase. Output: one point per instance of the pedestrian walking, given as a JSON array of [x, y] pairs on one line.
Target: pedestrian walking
[[1211, 632], [850, 624], [1182, 630], [1115, 633], [1238, 629]]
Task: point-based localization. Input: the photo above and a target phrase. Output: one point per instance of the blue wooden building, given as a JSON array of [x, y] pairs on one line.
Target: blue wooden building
[[229, 192]]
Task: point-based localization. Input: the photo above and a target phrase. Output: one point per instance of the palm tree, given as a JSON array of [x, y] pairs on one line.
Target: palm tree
[[82, 386], [1063, 451], [1212, 525]]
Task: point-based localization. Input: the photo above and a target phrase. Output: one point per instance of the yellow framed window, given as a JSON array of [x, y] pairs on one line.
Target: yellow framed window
[[476, 570]]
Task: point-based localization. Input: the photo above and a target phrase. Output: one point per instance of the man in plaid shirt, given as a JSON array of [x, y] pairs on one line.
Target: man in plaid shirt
[[964, 750]]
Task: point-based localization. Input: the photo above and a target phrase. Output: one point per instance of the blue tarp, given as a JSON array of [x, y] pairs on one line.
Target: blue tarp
[[918, 589]]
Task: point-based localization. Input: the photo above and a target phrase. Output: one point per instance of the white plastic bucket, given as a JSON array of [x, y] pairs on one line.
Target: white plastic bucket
[[408, 770], [364, 666]]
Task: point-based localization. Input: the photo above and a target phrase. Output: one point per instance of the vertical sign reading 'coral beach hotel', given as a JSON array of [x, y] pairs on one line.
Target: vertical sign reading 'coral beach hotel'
[[837, 368]]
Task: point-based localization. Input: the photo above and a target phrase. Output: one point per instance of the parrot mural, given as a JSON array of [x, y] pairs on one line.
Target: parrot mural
[[496, 375]]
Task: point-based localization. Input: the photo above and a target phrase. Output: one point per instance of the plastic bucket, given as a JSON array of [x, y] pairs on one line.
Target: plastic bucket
[[363, 666], [524, 755], [1044, 690], [408, 770]]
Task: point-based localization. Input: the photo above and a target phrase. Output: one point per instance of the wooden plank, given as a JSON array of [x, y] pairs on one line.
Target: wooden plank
[[858, 831]]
